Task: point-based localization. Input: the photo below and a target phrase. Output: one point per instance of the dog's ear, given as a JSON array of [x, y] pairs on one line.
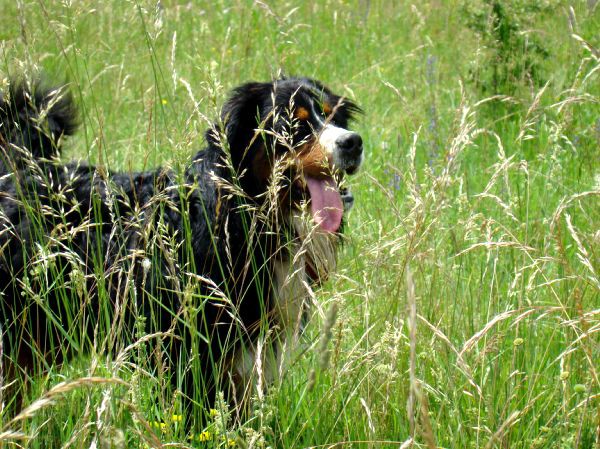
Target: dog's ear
[[241, 117]]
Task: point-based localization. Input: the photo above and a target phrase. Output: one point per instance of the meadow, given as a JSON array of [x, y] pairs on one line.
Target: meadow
[[465, 311]]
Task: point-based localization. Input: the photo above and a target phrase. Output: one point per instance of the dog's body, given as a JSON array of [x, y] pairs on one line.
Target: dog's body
[[221, 257]]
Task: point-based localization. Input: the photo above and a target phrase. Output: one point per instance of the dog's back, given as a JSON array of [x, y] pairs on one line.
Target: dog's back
[[33, 119]]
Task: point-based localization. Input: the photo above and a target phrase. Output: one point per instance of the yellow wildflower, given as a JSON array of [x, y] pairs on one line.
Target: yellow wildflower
[[159, 425], [204, 436]]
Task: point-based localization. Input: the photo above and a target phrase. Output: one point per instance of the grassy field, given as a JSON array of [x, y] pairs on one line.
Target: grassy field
[[468, 293]]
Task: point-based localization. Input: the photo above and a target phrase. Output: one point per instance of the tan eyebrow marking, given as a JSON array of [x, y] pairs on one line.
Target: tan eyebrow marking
[[302, 113], [326, 108]]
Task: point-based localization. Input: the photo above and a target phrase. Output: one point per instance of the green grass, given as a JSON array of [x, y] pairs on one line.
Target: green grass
[[468, 293]]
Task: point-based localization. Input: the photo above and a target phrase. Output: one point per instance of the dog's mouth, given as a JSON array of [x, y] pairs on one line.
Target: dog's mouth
[[320, 183], [326, 205], [327, 197]]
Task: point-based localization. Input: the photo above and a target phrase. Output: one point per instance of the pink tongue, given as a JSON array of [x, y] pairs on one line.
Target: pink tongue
[[326, 203]]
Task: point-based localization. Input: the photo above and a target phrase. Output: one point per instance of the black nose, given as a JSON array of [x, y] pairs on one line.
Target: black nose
[[350, 144]]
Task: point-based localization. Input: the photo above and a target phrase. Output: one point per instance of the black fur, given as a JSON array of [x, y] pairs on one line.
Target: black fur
[[34, 117], [192, 253]]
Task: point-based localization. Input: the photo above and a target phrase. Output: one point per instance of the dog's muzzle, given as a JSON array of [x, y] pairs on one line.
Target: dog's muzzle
[[345, 148], [349, 147]]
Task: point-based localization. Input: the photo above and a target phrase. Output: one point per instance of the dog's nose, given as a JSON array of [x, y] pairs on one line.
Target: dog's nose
[[350, 144]]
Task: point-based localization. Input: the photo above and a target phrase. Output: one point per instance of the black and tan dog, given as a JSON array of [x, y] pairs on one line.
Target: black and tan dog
[[221, 257]]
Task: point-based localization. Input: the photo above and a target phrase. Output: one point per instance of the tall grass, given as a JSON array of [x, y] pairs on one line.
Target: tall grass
[[465, 308]]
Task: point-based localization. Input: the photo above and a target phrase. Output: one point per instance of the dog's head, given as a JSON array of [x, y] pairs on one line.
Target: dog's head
[[300, 125]]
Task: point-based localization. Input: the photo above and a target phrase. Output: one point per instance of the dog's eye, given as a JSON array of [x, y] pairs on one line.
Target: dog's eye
[[327, 109]]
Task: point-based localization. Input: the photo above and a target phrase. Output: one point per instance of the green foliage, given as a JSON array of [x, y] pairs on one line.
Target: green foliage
[[513, 53]]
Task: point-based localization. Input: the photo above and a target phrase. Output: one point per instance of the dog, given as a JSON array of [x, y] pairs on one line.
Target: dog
[[219, 260]]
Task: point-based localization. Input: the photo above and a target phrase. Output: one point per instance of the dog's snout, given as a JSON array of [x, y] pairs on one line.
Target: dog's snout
[[344, 147], [350, 144]]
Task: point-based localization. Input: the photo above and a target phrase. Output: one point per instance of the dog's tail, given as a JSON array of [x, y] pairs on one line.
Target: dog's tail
[[34, 118]]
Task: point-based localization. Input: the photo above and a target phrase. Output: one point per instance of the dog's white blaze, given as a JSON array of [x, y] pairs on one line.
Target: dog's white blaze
[[327, 139]]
